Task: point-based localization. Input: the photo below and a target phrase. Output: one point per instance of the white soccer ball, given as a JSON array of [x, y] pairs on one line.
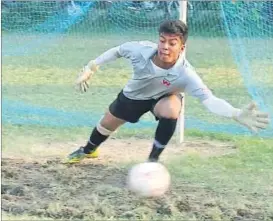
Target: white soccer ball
[[149, 179]]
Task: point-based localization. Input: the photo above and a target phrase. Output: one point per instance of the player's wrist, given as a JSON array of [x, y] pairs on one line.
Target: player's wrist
[[92, 66], [87, 69]]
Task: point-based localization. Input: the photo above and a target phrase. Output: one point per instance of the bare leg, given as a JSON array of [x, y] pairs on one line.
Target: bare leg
[[107, 125]]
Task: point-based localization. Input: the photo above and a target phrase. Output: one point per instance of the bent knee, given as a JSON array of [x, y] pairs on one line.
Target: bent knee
[[168, 108], [169, 113]]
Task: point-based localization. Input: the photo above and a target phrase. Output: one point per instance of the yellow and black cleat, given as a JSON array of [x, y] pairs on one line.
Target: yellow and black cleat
[[78, 155], [94, 154]]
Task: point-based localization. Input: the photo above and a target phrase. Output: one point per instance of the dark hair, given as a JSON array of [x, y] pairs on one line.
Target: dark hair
[[175, 27]]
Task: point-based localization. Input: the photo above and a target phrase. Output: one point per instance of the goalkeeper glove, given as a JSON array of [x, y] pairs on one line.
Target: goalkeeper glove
[[252, 118], [84, 76]]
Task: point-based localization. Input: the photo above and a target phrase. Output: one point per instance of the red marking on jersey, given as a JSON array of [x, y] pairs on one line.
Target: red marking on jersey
[[166, 82], [205, 90]]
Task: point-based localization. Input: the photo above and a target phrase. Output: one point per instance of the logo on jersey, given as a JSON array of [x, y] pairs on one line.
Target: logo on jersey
[[166, 82], [205, 90]]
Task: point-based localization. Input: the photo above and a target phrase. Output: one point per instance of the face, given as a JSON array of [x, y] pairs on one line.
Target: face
[[169, 47]]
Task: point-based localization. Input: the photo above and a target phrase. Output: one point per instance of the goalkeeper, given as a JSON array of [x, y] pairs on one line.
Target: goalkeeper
[[160, 74]]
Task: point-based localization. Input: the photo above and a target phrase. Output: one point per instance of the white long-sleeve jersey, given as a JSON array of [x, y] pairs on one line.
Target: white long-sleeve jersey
[[151, 82]]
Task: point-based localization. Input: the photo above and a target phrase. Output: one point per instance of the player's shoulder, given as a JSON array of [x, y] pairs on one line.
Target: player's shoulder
[[138, 48], [138, 45], [182, 64], [188, 66], [190, 73], [147, 44], [186, 69]]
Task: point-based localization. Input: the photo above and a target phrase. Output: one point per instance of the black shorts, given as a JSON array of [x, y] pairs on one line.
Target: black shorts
[[131, 110]]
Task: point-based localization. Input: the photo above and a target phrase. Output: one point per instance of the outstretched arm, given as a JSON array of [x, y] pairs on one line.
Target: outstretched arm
[[220, 107], [126, 50], [93, 65], [108, 56], [249, 116]]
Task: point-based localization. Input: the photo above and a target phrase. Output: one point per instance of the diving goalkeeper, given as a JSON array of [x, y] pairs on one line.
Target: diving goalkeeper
[[160, 74]]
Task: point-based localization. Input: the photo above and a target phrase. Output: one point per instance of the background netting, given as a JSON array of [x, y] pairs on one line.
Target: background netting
[[44, 44]]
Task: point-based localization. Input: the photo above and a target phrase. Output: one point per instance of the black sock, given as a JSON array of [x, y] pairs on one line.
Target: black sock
[[164, 132], [96, 138], [155, 153]]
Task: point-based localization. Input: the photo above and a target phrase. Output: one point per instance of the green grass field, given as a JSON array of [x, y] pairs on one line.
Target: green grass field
[[36, 185]]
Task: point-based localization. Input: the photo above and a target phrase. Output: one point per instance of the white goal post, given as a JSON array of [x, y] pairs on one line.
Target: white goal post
[[181, 120]]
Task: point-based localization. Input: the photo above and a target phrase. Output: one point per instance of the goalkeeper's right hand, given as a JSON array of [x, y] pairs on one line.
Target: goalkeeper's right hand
[[252, 118], [84, 76]]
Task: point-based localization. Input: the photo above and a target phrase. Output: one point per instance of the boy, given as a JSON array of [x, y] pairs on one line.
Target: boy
[[160, 74]]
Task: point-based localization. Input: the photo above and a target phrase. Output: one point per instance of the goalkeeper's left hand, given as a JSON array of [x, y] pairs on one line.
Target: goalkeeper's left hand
[[85, 75], [252, 118]]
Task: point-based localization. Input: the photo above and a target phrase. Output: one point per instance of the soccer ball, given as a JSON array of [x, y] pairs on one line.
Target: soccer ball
[[149, 179]]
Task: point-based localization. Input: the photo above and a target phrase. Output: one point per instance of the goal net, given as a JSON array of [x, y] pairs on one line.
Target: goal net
[[45, 43]]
